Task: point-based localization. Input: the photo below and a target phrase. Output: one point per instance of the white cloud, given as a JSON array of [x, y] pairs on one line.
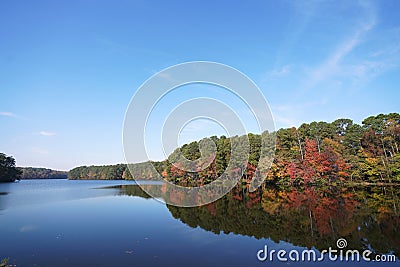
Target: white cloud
[[298, 106], [333, 66], [7, 114], [280, 72], [44, 133], [366, 70], [282, 121], [288, 114], [380, 60], [276, 108]]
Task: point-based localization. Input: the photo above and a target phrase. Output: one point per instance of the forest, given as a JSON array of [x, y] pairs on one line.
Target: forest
[[314, 153], [41, 173]]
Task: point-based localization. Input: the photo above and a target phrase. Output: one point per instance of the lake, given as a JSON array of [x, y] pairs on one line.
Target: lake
[[114, 223]]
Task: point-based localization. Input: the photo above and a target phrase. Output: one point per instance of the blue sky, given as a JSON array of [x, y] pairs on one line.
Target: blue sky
[[68, 69]]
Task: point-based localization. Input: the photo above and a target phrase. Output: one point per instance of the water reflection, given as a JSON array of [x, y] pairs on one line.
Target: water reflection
[[39, 192], [368, 217], [3, 193]]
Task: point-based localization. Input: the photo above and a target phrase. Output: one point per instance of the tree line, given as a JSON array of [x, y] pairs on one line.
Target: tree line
[[316, 152], [41, 173], [9, 172]]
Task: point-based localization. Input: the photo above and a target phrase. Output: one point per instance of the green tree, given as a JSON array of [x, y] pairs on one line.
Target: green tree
[[8, 171]]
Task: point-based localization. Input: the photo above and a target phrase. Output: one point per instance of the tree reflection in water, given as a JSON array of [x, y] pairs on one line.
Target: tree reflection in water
[[367, 217]]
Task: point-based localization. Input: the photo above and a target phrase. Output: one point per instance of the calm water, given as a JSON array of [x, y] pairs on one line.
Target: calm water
[[113, 223]]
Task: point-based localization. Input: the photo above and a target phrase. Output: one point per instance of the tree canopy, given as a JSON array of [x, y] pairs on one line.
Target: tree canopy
[[316, 152], [8, 171], [42, 173]]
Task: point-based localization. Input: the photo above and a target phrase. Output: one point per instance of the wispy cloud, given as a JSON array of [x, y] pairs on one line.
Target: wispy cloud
[[11, 115], [288, 114], [166, 76], [112, 46], [200, 124], [335, 65], [126, 49], [280, 72], [298, 106], [44, 133], [8, 114], [378, 61], [303, 16], [282, 121], [392, 49], [332, 65]]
